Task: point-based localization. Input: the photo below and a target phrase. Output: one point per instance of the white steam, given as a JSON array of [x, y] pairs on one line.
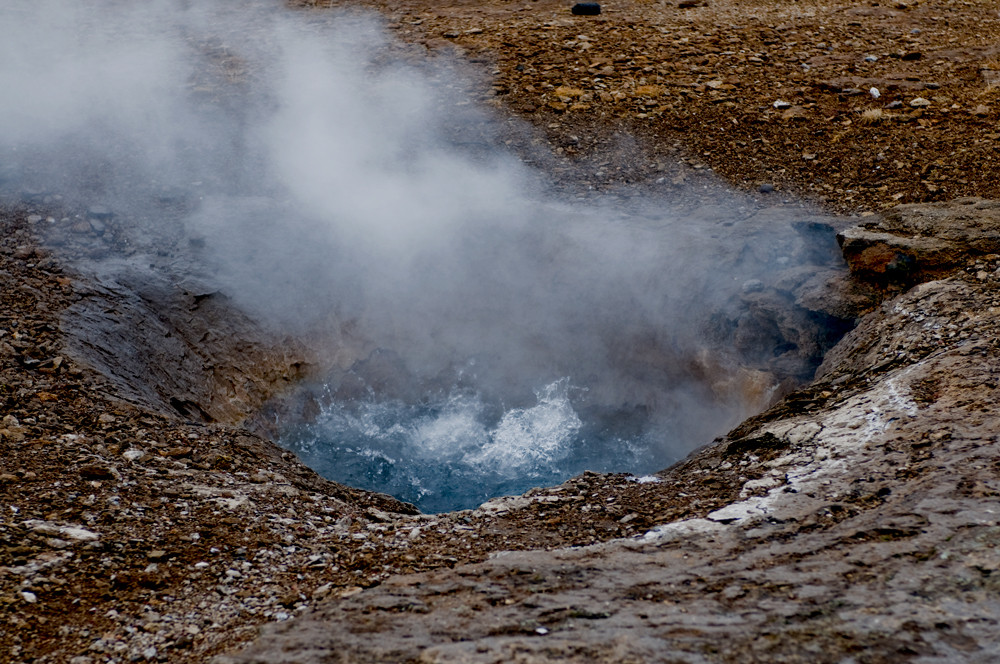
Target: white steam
[[337, 190]]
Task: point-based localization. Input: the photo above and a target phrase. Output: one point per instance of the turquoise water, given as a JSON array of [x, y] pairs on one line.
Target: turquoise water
[[457, 450]]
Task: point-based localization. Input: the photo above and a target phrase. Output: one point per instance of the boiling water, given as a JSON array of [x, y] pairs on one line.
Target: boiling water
[[459, 449]]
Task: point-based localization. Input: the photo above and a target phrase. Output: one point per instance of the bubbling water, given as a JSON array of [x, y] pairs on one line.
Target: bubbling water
[[459, 450]]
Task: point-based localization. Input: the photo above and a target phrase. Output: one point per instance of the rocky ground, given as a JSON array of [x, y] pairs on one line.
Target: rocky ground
[[854, 521], [760, 91], [865, 528]]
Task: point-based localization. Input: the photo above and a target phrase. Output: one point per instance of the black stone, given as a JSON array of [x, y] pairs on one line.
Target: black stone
[[586, 9]]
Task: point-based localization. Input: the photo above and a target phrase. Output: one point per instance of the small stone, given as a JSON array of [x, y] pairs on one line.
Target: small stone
[[912, 55], [766, 188], [149, 653], [981, 110], [871, 58], [586, 9], [106, 418], [29, 597], [32, 195], [781, 104], [920, 102], [156, 554], [100, 212], [95, 471], [894, 104]]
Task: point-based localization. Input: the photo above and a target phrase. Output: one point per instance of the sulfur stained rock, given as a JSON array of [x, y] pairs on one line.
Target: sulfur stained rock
[[913, 243]]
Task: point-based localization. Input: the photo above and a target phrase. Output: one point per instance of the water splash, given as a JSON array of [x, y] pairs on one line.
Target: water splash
[[458, 451]]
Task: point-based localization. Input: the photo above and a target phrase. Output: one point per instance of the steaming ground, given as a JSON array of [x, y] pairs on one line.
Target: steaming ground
[[482, 335]]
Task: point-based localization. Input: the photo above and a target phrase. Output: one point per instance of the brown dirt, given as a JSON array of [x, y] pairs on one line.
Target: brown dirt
[[649, 90]]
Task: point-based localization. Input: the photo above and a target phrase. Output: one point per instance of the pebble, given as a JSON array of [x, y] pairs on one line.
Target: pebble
[[29, 597], [920, 102], [766, 188], [100, 212]]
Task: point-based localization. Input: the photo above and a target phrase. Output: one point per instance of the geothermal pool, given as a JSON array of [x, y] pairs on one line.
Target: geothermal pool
[[457, 450], [333, 192]]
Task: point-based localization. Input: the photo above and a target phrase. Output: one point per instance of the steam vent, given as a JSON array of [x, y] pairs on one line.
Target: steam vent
[[499, 332]]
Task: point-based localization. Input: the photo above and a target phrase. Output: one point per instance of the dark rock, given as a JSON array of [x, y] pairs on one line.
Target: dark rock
[[95, 471], [766, 188], [757, 445], [586, 9], [99, 212]]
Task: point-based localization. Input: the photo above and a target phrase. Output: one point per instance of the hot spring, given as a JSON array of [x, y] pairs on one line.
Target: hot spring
[[475, 333]]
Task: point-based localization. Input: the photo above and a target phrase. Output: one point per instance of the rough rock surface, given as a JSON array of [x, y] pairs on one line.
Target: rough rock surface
[[865, 529]]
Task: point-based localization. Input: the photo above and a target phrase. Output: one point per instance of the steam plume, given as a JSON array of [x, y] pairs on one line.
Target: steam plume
[[324, 181]]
